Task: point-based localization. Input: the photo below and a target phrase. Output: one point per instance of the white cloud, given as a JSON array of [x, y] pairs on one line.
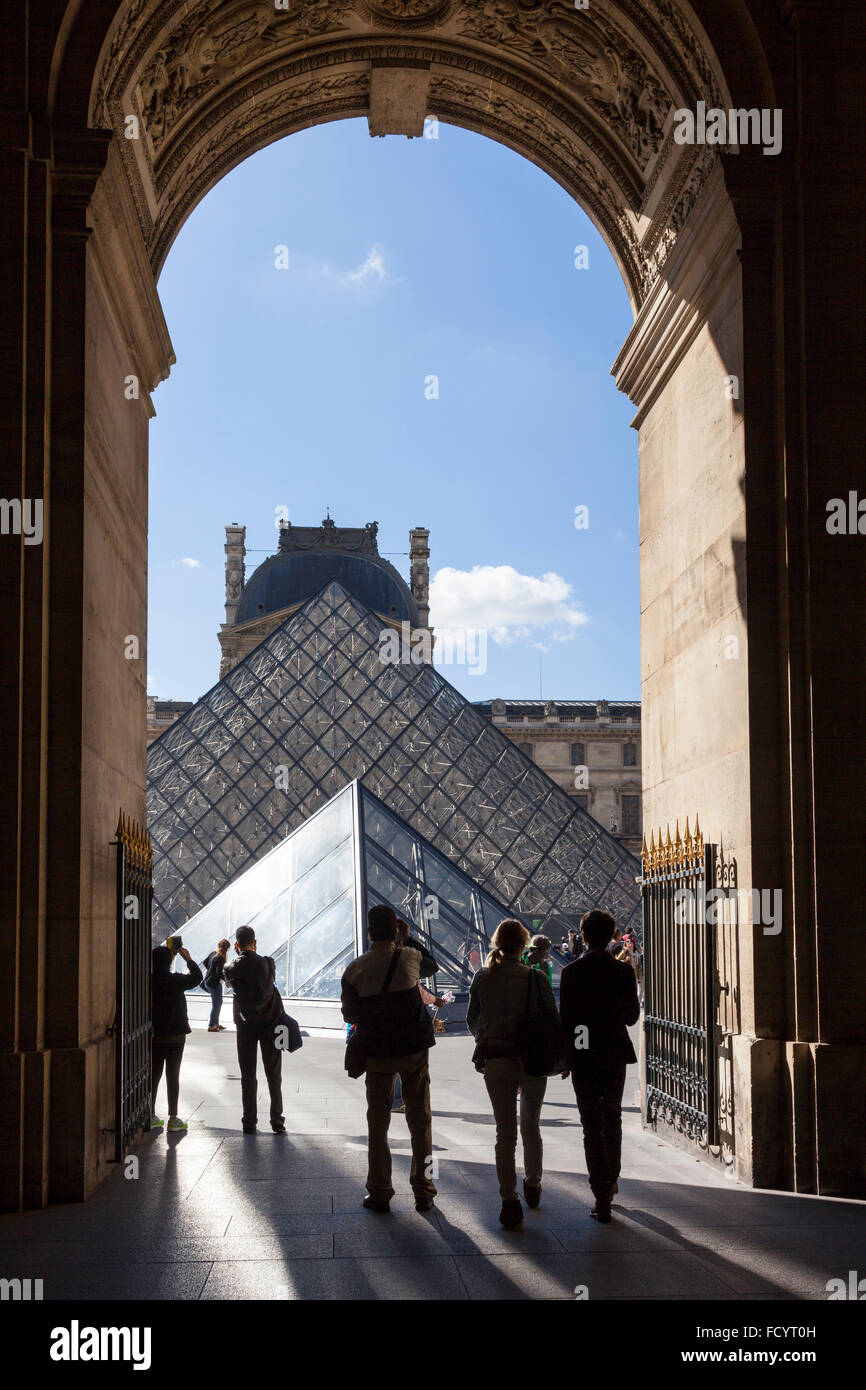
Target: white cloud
[[373, 270], [508, 605], [190, 563]]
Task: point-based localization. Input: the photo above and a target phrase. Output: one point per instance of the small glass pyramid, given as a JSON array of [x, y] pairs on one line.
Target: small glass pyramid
[[306, 899], [313, 709]]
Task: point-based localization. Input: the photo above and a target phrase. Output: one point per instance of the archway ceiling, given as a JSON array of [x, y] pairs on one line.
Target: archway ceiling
[[588, 95]]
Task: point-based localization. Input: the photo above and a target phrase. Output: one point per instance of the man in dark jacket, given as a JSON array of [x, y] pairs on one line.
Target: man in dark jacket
[[257, 1010], [170, 1026], [380, 996], [597, 1001]]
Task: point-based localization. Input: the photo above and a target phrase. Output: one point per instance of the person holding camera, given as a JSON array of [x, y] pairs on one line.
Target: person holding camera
[[258, 1009], [170, 1024], [393, 1037]]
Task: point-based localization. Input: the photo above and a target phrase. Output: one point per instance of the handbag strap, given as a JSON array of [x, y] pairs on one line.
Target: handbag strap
[[529, 991], [389, 973]]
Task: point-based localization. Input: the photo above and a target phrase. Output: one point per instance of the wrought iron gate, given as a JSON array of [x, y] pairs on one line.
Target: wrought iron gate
[[680, 985], [132, 1022]]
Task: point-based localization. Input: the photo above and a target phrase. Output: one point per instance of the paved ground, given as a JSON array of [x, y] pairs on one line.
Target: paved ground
[[214, 1215]]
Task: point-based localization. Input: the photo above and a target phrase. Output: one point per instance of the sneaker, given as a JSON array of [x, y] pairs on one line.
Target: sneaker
[[249, 1129], [398, 1110], [174, 1123], [423, 1203], [373, 1204], [156, 1122], [278, 1129], [511, 1214], [532, 1194], [214, 1028]]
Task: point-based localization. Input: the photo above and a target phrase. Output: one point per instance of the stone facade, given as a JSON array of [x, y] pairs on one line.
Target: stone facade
[[161, 714], [744, 274], [591, 748]]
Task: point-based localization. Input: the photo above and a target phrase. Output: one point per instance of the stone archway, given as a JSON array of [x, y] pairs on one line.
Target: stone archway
[[588, 95]]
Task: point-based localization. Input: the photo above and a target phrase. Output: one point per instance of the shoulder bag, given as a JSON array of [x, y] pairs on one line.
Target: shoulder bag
[[356, 1053], [539, 1038]]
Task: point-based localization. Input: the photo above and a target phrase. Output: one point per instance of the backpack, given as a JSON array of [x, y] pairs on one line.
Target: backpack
[[207, 966]]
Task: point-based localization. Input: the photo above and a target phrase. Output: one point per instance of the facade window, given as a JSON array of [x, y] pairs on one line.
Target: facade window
[[578, 755], [631, 815], [629, 755], [582, 800]]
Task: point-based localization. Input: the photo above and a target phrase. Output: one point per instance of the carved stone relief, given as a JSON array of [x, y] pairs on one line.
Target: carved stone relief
[[215, 79], [587, 51]]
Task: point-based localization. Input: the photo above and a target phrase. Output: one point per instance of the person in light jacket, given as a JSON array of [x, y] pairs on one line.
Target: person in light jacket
[[502, 994]]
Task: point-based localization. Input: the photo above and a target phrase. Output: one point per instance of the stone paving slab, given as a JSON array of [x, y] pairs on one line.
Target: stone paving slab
[[356, 1279], [214, 1214]]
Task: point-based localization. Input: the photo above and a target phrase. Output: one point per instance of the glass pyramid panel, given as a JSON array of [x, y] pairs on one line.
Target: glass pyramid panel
[[301, 899], [310, 710]]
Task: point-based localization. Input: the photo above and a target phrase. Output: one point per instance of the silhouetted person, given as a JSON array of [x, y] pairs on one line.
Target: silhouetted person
[[379, 993], [170, 1027], [257, 1009], [214, 969], [598, 996], [615, 944], [502, 995]]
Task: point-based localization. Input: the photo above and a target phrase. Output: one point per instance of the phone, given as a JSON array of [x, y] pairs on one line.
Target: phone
[[174, 943]]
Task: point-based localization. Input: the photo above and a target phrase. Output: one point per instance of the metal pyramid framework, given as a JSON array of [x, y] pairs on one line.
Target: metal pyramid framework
[[312, 709]]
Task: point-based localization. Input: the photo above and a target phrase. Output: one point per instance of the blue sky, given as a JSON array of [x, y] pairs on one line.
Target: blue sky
[[308, 388]]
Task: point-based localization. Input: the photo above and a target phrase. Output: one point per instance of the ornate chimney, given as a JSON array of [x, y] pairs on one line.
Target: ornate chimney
[[235, 574], [419, 572]]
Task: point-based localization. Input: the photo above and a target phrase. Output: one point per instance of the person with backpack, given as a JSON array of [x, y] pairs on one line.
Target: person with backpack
[[258, 1011], [170, 1025], [393, 1037], [214, 966], [503, 995]]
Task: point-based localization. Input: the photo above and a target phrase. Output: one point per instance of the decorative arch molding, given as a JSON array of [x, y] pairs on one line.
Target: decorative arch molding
[[587, 95]]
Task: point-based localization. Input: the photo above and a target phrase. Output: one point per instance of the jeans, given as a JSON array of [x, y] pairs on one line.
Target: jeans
[[167, 1053], [505, 1079], [216, 1003], [598, 1087], [414, 1071], [272, 1061]]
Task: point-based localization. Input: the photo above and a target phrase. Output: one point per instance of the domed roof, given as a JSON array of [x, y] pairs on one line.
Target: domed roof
[[310, 558]]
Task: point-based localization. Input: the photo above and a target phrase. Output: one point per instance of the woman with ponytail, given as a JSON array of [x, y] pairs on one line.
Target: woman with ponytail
[[497, 1005]]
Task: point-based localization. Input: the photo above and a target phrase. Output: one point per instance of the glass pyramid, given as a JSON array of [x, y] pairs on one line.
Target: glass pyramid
[[306, 899], [312, 709]]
